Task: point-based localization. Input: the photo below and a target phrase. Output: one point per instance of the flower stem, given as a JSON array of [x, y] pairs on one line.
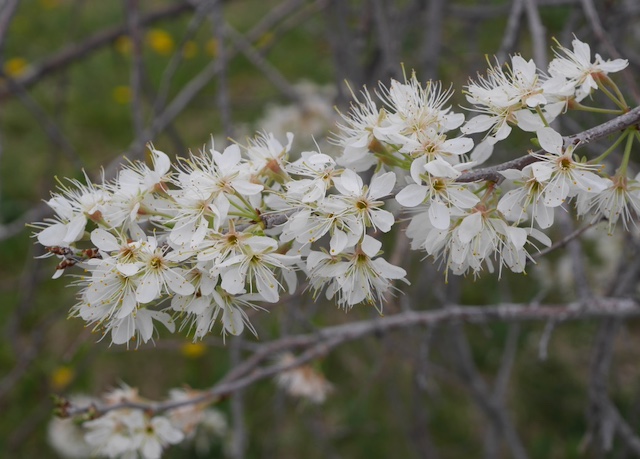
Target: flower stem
[[585, 108], [620, 103], [622, 170], [609, 82], [539, 112], [601, 158]]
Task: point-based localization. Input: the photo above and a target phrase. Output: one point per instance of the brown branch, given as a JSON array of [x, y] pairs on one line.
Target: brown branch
[[320, 343], [620, 123]]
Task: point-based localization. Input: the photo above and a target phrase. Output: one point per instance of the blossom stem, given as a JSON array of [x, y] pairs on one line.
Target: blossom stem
[[601, 158], [622, 170], [620, 103], [609, 82], [539, 112], [585, 108], [247, 212]]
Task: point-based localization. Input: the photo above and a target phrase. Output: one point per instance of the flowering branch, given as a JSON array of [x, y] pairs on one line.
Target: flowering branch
[[613, 126]]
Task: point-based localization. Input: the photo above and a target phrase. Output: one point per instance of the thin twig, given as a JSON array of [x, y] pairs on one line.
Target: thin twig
[[538, 34], [324, 340], [223, 100], [83, 47], [133, 25]]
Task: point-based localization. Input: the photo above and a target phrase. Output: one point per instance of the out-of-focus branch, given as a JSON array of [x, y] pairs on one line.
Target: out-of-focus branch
[[432, 43], [133, 25], [318, 344], [492, 407], [223, 99], [510, 35], [6, 14], [538, 34], [50, 127], [268, 70], [76, 51]]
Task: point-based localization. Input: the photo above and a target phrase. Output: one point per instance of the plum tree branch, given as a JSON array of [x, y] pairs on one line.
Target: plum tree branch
[[620, 123], [315, 345]]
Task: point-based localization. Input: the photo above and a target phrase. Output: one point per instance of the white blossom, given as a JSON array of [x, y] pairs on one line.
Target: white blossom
[[568, 177], [577, 69]]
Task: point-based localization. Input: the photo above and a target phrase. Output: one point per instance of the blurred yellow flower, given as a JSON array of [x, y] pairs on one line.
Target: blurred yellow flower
[[193, 350], [61, 377], [121, 94], [190, 50], [15, 66], [265, 40], [123, 45], [50, 4], [160, 41], [212, 47]]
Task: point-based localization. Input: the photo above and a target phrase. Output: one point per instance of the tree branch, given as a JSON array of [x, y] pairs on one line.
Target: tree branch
[[318, 344]]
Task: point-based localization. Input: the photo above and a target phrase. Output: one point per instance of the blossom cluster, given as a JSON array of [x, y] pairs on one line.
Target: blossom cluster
[[220, 233], [131, 432]]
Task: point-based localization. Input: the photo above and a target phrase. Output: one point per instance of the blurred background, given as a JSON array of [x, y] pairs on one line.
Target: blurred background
[[86, 83]]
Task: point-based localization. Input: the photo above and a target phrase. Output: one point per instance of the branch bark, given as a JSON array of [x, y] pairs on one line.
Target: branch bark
[[319, 344]]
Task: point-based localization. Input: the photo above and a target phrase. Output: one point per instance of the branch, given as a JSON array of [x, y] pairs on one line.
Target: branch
[[76, 51], [318, 344], [622, 122]]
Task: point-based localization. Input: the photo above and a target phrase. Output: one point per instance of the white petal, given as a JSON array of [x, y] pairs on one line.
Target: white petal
[[370, 246], [338, 242], [233, 280], [148, 290], [382, 219], [387, 270], [478, 123], [349, 183], [482, 152], [412, 195], [550, 140], [123, 331], [232, 320], [381, 185], [104, 240], [53, 235], [178, 283], [439, 215], [75, 228], [470, 227], [267, 286], [512, 174], [440, 168], [247, 188]]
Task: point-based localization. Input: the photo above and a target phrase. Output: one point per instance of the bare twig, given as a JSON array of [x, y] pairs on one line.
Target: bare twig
[[432, 42], [538, 34], [239, 439], [324, 340], [7, 10], [50, 127], [80, 49], [492, 407], [513, 27], [565, 240], [133, 25], [219, 32], [268, 70]]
